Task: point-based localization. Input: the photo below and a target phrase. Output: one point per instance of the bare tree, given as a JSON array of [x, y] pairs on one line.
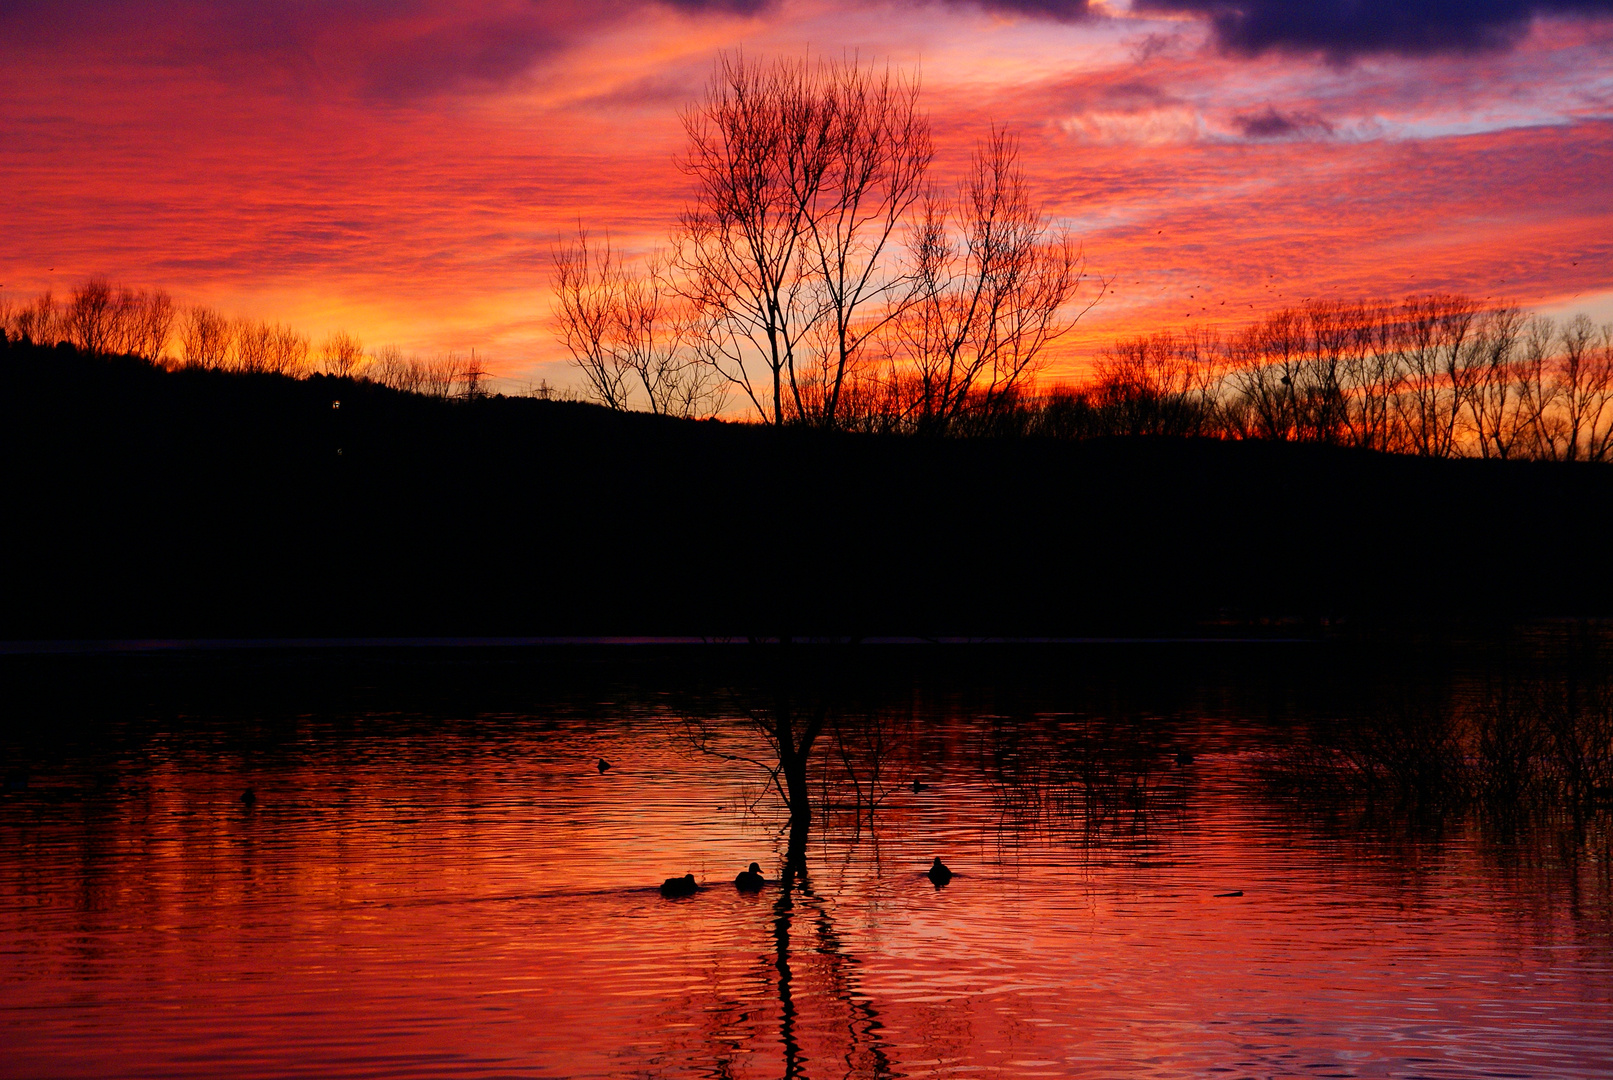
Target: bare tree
[[804, 173], [341, 355], [1323, 413], [761, 149], [1160, 384], [695, 387], [1538, 390], [156, 326], [587, 287], [991, 289], [1433, 375], [1494, 414], [39, 322], [1599, 437], [391, 368], [207, 339], [1584, 385], [254, 344], [879, 152], [1370, 377], [632, 334], [652, 325], [128, 325], [109, 320], [440, 376], [1438, 377], [1269, 365], [289, 352], [106, 320], [269, 348], [89, 316]]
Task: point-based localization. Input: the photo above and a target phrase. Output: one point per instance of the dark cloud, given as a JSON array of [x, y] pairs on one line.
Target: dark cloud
[[1272, 124], [664, 90], [385, 48], [731, 7], [1345, 28], [1062, 10], [1126, 95], [1155, 45], [1341, 28]]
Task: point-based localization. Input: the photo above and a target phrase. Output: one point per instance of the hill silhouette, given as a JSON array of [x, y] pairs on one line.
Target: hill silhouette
[[147, 503]]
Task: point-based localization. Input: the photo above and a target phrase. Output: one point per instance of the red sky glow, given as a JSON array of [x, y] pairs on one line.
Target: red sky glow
[[401, 168]]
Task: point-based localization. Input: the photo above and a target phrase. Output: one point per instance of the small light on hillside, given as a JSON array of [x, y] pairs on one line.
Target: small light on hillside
[[336, 404]]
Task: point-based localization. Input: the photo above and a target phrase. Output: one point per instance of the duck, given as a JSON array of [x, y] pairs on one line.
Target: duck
[[603, 764], [939, 872], [674, 887], [749, 880], [919, 785], [249, 797], [1184, 757]]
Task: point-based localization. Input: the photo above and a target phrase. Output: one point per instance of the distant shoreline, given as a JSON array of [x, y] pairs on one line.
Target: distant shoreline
[[76, 648], [206, 506]]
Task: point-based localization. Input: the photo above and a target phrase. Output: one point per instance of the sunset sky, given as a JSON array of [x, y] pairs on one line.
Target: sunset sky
[[402, 168]]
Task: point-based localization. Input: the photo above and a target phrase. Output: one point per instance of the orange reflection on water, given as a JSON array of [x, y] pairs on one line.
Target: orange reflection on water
[[446, 897]]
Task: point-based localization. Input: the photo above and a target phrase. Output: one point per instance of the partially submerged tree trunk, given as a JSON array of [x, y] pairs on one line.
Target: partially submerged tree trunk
[[793, 736], [804, 694]]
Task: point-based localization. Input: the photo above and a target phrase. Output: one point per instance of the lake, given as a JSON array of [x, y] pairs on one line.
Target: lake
[[434, 877]]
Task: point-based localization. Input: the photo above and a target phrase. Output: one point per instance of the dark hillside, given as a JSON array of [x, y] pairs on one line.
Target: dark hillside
[[142, 503]]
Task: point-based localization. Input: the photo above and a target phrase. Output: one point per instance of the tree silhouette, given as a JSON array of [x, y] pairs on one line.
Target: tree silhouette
[[89, 316], [880, 152], [822, 724], [631, 334], [989, 292], [206, 338], [803, 172], [341, 355]]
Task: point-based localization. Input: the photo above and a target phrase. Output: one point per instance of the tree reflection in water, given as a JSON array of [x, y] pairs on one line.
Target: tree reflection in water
[[1100, 783], [1122, 783], [831, 746], [867, 1053], [811, 723]]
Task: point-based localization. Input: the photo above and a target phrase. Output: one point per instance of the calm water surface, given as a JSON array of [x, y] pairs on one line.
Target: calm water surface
[[457, 892]]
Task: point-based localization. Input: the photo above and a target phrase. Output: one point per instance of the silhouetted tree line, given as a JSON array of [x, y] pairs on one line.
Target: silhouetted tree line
[[157, 503], [1434, 376], [101, 319]]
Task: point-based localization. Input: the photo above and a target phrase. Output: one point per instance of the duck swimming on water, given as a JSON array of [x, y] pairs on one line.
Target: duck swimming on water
[[939, 872], [749, 880], [674, 887]]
